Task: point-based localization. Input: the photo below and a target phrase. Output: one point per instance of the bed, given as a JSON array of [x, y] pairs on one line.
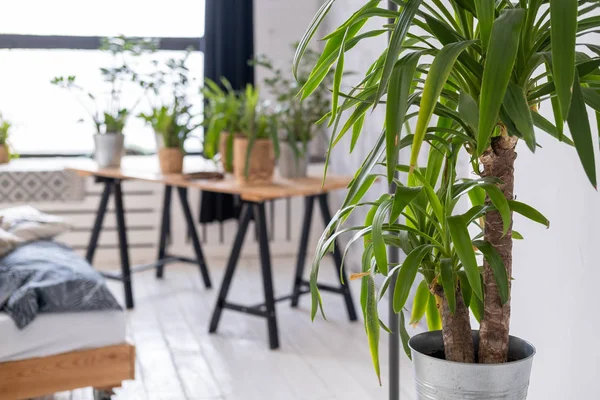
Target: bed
[[60, 328]]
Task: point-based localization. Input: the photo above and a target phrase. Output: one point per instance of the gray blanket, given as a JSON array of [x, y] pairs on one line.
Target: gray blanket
[[46, 276]]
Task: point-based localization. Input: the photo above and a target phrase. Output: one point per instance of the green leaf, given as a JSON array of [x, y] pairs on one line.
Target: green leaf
[[519, 112], [501, 56], [467, 108], [563, 34], [497, 265], [592, 98], [403, 197], [547, 126], [379, 248], [436, 79], [464, 249], [477, 308], [516, 235], [394, 49], [407, 275], [528, 212], [448, 282], [308, 35], [396, 107], [364, 282], [337, 80], [372, 325], [485, 15], [419, 303], [579, 125], [465, 287], [404, 336], [434, 320], [477, 196], [501, 204]]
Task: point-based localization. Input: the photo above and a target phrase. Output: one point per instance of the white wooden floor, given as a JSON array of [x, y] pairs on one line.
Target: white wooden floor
[[178, 359]]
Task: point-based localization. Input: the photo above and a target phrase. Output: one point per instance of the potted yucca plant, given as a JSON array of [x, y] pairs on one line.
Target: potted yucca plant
[[5, 128], [297, 118], [108, 114], [222, 118], [470, 78], [256, 148]]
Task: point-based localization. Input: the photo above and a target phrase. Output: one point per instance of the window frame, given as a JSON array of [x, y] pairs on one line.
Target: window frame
[[63, 42]]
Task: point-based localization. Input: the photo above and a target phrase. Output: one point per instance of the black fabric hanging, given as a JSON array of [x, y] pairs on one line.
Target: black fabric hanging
[[228, 45]]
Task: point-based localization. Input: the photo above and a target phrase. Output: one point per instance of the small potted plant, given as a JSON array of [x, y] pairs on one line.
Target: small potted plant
[[257, 147], [298, 118], [172, 123], [172, 126], [5, 127], [222, 118], [110, 116]]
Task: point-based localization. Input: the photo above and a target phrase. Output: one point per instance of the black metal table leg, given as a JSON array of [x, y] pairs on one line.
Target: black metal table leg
[[337, 257], [164, 229], [194, 235], [123, 245], [265, 261], [93, 243], [309, 202], [245, 217]]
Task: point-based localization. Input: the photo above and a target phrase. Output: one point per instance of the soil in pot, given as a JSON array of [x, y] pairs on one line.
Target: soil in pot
[[226, 151], [261, 165], [4, 154], [170, 160]]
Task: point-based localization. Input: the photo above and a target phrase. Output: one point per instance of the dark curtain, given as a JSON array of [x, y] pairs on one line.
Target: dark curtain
[[228, 45]]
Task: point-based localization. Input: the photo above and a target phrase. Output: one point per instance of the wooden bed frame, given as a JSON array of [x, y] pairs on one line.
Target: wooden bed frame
[[103, 368]]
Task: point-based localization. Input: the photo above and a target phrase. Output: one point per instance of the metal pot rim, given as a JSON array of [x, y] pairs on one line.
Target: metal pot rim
[[474, 365]]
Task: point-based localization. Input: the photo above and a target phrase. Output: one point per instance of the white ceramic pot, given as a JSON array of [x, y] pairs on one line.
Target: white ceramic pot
[[109, 149]]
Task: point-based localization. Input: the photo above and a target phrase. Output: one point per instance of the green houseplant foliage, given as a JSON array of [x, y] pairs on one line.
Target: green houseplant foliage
[[297, 118], [467, 75], [222, 113], [257, 123], [174, 122], [5, 127], [109, 115]]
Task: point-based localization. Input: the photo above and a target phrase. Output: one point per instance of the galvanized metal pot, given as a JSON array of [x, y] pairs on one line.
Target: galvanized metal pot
[[438, 379], [109, 149], [291, 166]]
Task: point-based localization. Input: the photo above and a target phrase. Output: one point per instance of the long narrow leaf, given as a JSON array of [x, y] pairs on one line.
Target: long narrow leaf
[[372, 325], [407, 275], [434, 320], [579, 125], [464, 250], [497, 266], [519, 112], [448, 283], [436, 79], [528, 212], [419, 303], [563, 31], [404, 336], [501, 56]]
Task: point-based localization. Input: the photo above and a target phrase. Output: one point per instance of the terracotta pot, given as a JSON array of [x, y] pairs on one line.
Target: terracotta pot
[[226, 151], [4, 154], [170, 160], [261, 164]]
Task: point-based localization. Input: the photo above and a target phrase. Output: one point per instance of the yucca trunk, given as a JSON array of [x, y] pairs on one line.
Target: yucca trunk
[[456, 329], [498, 161]]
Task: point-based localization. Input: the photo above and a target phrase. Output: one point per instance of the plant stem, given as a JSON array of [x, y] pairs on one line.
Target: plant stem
[[498, 161], [456, 328]]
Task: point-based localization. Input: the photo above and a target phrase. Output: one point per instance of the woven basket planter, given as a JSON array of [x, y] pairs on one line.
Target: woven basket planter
[[261, 165], [4, 154], [170, 160]]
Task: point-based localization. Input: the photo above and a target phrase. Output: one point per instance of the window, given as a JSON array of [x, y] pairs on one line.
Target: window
[[59, 39]]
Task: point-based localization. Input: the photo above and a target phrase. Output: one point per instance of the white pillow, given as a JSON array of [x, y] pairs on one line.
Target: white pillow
[[28, 223], [8, 242]]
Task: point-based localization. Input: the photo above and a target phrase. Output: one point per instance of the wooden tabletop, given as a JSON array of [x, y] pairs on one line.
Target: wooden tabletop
[[145, 168]]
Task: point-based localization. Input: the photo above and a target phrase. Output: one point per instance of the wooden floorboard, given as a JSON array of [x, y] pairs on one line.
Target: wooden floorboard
[[178, 359]]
